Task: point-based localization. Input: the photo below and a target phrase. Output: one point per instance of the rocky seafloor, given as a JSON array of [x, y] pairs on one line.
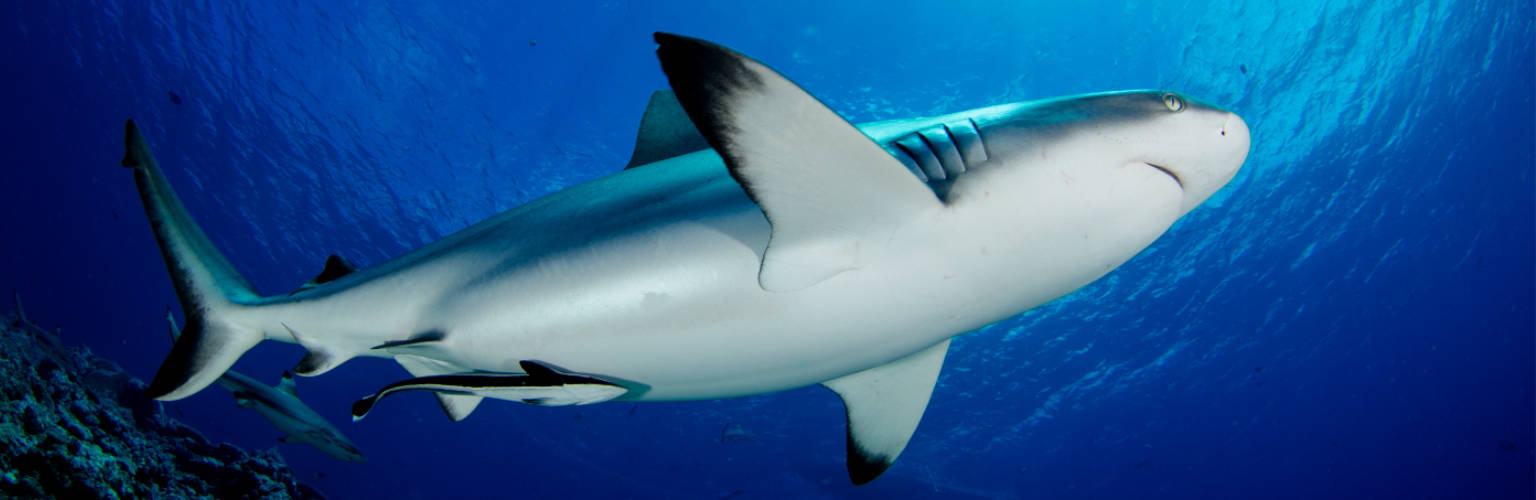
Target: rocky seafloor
[[74, 425]]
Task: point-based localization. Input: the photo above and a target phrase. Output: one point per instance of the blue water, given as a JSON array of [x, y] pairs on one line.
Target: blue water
[[1351, 318]]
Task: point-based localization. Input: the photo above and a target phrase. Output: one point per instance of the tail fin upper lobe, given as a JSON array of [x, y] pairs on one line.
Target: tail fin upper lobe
[[206, 284]]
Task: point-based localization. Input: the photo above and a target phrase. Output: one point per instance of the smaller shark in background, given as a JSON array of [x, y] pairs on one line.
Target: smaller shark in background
[[51, 337], [55, 349], [281, 406]]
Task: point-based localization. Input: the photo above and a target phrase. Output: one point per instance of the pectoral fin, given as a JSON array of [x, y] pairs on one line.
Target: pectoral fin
[[885, 404], [830, 193]]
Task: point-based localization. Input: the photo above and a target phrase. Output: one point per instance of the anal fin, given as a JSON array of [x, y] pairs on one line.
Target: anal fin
[[884, 405], [320, 358]]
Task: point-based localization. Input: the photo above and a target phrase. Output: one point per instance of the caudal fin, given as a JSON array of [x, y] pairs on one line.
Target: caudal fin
[[206, 284]]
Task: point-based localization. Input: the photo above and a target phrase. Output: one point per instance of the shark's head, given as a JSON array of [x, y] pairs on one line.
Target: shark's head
[[333, 443], [1196, 146], [1076, 185]]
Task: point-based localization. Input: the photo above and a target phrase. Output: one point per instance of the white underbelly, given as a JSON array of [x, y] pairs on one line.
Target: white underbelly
[[679, 310]]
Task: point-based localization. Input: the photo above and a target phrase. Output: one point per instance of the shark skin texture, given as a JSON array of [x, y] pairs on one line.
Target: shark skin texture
[[761, 244]]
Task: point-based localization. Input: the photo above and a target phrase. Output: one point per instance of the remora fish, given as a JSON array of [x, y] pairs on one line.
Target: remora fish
[[282, 407], [757, 242]]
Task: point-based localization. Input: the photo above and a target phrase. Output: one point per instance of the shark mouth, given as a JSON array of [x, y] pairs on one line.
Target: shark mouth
[[1168, 172]]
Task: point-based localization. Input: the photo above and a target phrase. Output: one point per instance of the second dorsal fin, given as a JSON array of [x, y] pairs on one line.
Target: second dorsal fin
[[665, 131], [335, 268]]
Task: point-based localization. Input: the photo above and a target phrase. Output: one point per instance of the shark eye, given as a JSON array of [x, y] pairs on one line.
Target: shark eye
[[1173, 102]]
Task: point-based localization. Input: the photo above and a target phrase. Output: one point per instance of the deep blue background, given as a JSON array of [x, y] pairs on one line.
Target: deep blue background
[[1351, 318]]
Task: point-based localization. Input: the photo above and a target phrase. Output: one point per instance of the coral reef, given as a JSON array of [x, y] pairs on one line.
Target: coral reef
[[74, 425]]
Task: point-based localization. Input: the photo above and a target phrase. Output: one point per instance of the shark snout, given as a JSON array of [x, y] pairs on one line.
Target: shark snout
[[1235, 130], [1235, 139], [1215, 159]]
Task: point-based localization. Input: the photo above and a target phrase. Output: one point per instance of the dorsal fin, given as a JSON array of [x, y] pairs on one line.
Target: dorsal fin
[[537, 370], [665, 131], [287, 386], [831, 194]]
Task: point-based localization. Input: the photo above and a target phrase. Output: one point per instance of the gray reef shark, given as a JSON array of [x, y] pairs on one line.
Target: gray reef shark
[[49, 337], [282, 407], [757, 242]]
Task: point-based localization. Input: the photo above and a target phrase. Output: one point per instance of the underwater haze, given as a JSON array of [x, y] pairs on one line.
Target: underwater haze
[[1353, 316]]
